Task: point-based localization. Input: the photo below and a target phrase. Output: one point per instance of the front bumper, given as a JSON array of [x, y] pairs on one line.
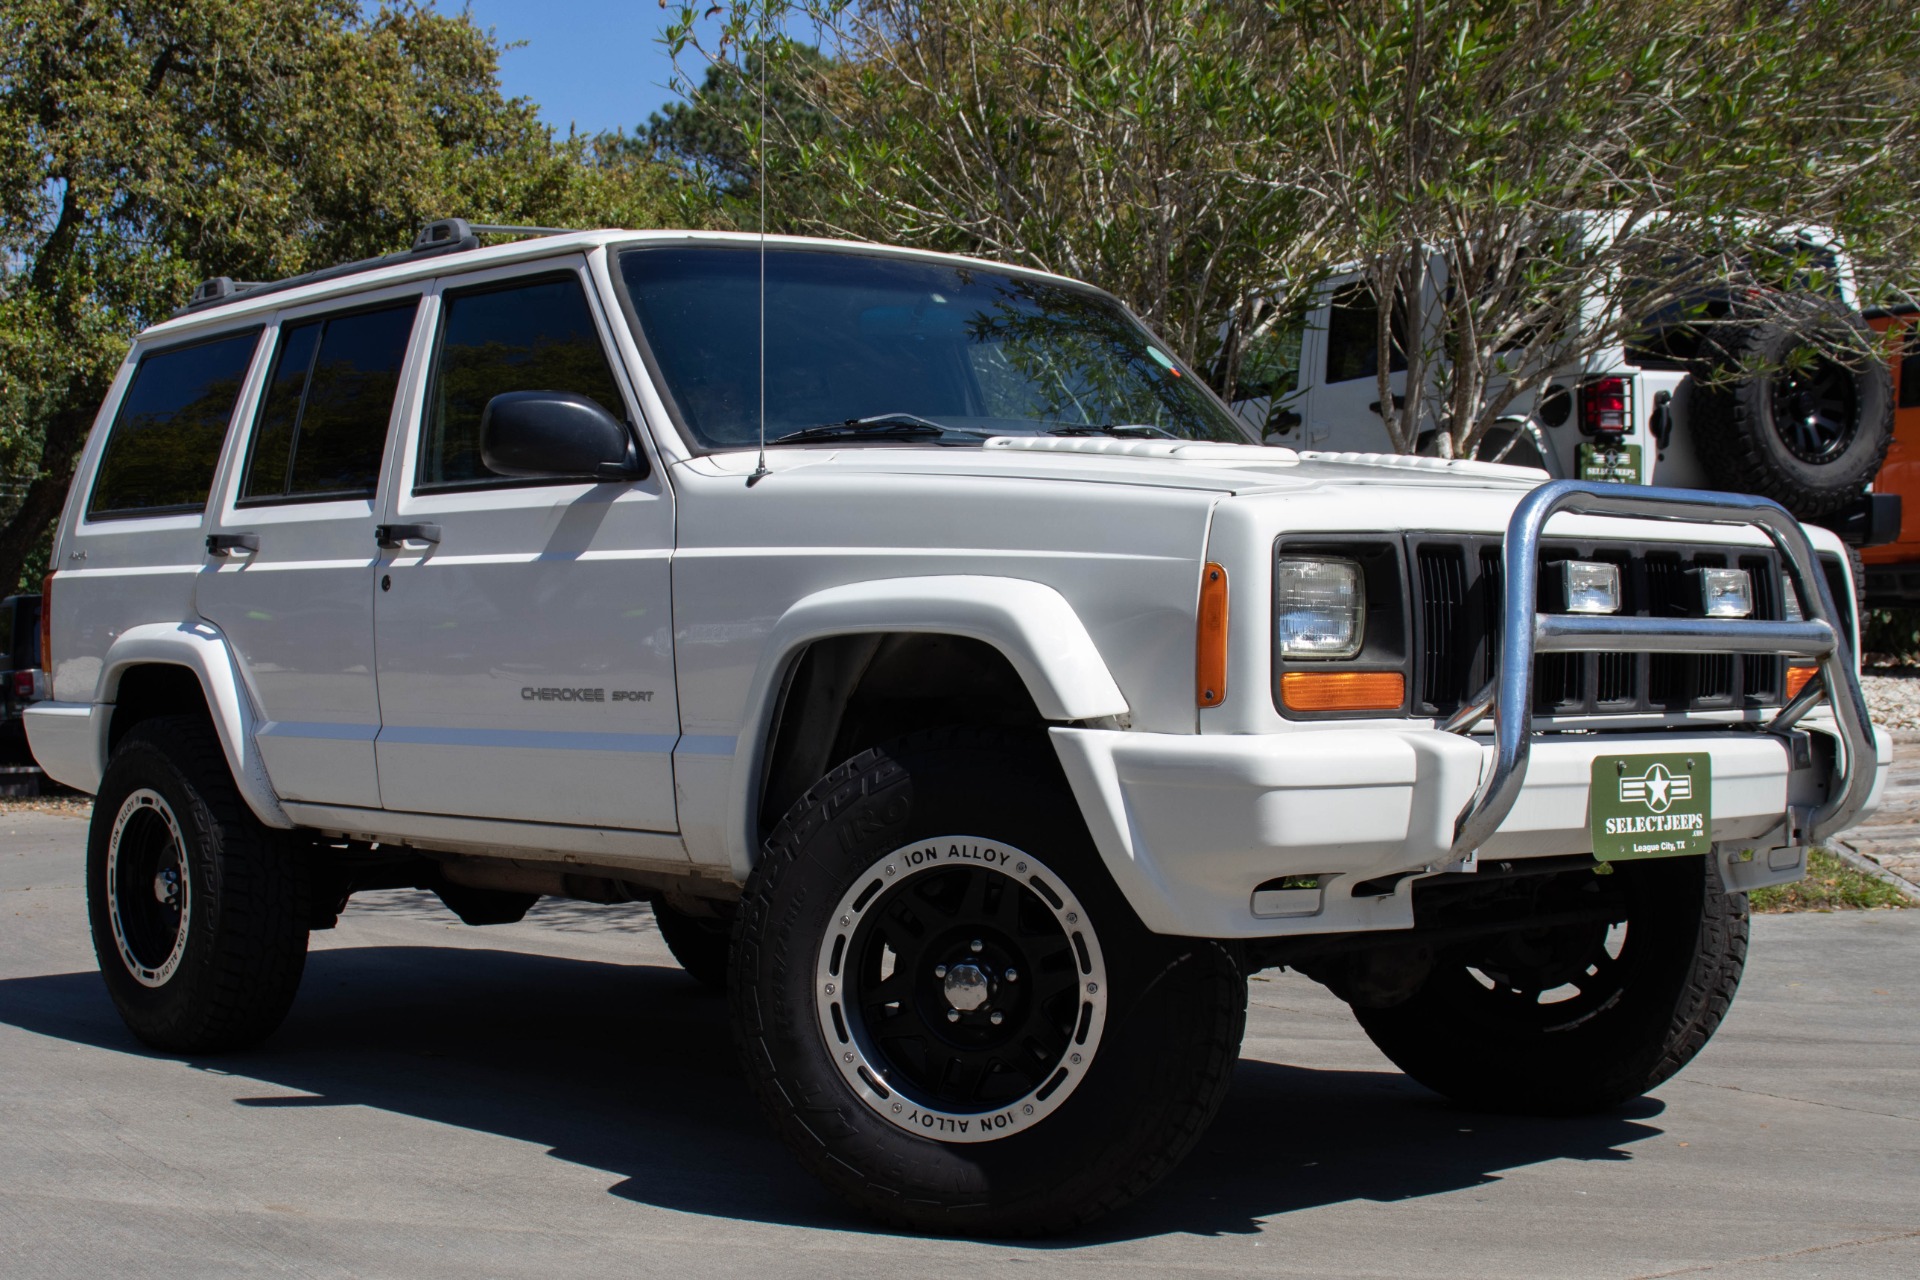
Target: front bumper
[[1191, 826], [1202, 832]]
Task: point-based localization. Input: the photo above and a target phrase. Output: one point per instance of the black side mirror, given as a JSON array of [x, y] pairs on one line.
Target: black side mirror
[[556, 433]]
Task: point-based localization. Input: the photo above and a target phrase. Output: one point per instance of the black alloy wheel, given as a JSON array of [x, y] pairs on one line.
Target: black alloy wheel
[[969, 1001], [149, 890], [199, 911], [1782, 411], [1816, 408], [1577, 1016], [952, 1015]]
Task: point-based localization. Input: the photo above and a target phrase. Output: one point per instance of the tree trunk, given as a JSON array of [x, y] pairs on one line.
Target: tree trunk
[[66, 431]]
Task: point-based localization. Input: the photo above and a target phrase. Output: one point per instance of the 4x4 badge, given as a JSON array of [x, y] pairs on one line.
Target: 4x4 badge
[[1657, 788]]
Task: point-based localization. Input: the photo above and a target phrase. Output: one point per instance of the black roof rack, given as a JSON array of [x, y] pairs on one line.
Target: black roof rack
[[444, 235]]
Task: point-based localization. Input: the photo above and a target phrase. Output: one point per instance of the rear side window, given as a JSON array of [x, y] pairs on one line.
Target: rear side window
[[1353, 337], [531, 335], [166, 437], [323, 419]]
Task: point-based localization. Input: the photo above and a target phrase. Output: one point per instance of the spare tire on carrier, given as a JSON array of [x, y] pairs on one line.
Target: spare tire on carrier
[[1778, 411]]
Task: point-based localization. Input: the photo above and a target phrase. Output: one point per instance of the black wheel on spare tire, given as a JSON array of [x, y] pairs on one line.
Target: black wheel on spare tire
[[700, 943], [951, 1014], [1775, 412], [1577, 1017], [199, 911]]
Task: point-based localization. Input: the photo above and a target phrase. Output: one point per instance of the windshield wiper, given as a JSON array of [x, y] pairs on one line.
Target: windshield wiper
[[1124, 431], [902, 425]]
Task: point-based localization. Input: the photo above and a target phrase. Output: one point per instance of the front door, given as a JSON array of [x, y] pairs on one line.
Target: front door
[[289, 577], [524, 629]]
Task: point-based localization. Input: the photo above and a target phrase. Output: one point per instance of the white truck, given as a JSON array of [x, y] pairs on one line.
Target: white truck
[[1716, 395], [979, 734]]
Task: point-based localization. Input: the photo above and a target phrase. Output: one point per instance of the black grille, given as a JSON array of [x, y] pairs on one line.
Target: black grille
[[1459, 581]]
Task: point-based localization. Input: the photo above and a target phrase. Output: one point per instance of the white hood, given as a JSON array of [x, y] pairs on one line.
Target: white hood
[[1221, 468]]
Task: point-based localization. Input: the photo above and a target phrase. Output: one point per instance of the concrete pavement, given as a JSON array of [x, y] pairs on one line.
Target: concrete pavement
[[554, 1098]]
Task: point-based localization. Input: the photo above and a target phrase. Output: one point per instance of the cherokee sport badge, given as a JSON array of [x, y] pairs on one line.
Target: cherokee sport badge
[[1651, 806]]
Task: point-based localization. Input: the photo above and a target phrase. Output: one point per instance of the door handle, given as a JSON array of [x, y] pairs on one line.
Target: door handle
[[225, 544], [1399, 402], [393, 535]]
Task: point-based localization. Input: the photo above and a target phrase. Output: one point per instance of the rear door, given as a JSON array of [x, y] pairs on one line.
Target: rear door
[[1343, 409], [289, 576], [139, 544], [524, 628]]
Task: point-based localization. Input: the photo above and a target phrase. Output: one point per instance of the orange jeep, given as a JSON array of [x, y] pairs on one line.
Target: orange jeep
[[1893, 569]]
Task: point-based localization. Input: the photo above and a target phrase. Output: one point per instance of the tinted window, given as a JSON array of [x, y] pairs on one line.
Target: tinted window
[[1270, 365], [533, 336], [968, 349], [323, 421], [166, 437], [1910, 369], [1353, 339]]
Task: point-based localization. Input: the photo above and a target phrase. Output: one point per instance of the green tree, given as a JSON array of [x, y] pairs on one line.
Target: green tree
[[1138, 146], [1550, 173], [147, 145], [709, 139], [1546, 173]]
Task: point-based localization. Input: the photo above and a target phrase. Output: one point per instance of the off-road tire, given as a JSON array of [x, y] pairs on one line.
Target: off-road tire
[[1739, 437], [1171, 1028], [245, 895], [701, 945], [1493, 1052]]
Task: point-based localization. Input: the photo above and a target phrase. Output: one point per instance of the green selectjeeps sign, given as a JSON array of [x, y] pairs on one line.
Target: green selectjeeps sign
[[1618, 465], [1651, 806]]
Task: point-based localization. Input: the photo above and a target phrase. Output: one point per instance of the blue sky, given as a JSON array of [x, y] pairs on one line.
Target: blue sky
[[596, 64]]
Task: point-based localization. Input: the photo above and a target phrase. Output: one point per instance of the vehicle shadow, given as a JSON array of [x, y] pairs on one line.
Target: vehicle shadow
[[631, 1069]]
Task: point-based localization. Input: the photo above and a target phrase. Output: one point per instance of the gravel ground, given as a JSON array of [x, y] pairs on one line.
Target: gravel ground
[[1893, 696]]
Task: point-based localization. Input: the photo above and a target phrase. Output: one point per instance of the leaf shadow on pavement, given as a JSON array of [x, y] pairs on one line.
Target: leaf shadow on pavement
[[631, 1069]]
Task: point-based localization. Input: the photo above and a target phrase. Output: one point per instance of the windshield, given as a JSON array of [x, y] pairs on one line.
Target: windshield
[[854, 336]]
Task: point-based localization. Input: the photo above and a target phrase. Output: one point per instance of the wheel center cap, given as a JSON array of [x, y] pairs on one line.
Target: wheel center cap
[[966, 987], [166, 886]]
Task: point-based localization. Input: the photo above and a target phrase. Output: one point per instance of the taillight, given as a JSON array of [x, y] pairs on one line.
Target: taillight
[[46, 626], [1603, 406], [23, 685]]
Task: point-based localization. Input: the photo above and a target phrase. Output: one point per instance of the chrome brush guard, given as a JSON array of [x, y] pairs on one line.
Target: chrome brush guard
[[1526, 632]]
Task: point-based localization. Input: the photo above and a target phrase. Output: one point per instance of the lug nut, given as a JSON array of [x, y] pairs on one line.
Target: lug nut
[[939, 971], [996, 1017], [953, 1015], [975, 945], [1013, 975]]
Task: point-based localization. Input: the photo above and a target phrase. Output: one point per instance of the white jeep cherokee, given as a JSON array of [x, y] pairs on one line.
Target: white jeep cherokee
[[979, 735]]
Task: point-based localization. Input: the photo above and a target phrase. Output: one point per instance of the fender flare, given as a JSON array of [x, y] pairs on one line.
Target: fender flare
[[202, 649], [1028, 623]]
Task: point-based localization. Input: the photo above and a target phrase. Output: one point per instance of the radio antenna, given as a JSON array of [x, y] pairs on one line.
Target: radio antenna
[[760, 467]]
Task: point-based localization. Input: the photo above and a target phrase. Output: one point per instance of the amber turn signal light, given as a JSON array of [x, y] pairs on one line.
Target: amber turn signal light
[[1797, 678], [1343, 690], [1210, 645]]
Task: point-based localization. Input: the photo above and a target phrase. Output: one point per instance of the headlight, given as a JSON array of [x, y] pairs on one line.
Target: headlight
[[1320, 607]]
